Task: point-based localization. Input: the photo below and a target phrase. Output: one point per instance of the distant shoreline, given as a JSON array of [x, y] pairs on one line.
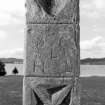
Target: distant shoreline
[[86, 61], [93, 61]]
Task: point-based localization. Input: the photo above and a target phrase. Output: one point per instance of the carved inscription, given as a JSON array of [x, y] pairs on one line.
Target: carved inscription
[[53, 50]]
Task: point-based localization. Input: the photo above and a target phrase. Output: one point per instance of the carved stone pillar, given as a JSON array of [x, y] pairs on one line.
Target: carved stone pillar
[[52, 53]]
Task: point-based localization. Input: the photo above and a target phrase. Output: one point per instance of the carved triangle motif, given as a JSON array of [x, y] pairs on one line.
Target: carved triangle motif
[[58, 95]]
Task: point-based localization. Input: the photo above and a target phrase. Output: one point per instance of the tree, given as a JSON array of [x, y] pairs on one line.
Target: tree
[[2, 69], [15, 71]]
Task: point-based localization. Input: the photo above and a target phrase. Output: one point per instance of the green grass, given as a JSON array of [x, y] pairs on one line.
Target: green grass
[[11, 90], [92, 90]]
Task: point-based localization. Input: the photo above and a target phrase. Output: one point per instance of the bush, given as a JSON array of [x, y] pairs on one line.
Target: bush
[[2, 69], [15, 71]]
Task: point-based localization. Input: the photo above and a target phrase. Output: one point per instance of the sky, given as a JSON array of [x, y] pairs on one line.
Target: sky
[[92, 28]]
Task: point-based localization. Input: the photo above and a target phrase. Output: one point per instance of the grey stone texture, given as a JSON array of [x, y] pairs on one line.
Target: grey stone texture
[[52, 53], [51, 49], [52, 11], [51, 91]]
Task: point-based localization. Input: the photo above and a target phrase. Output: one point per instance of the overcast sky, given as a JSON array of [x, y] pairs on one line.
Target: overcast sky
[[12, 20]]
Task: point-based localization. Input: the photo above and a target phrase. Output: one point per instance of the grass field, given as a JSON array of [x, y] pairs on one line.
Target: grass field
[[11, 90], [92, 90]]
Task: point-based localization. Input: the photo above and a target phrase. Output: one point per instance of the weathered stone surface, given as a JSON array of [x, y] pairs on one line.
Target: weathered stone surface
[[75, 93], [77, 54], [52, 57], [48, 91], [52, 49], [27, 91], [31, 81], [52, 11]]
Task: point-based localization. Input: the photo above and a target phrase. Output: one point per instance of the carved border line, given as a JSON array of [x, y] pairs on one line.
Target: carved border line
[[29, 23], [48, 76]]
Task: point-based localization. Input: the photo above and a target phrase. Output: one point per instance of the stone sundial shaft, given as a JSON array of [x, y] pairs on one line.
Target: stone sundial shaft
[[52, 53]]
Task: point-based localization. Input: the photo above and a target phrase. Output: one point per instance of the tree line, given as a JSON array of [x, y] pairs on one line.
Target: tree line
[[3, 71]]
